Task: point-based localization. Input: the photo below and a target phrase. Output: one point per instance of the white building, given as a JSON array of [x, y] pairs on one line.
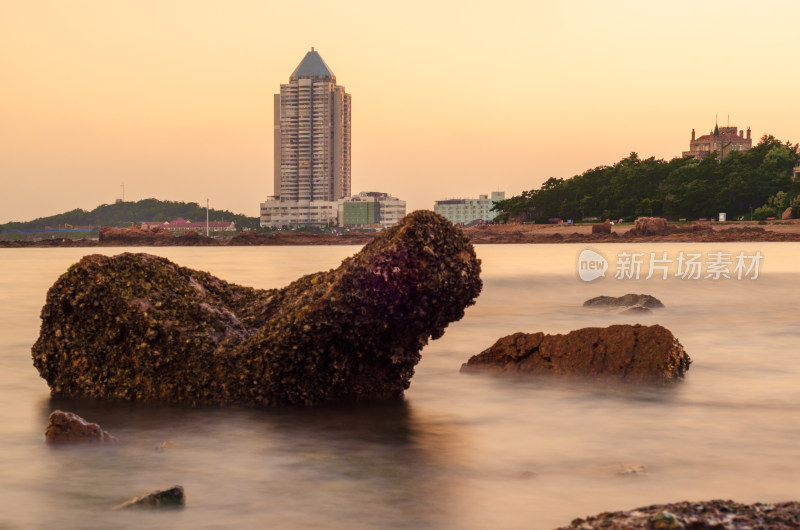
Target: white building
[[276, 213], [465, 211]]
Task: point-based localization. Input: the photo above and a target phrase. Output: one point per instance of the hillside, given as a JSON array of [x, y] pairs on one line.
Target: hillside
[[122, 214], [756, 183]]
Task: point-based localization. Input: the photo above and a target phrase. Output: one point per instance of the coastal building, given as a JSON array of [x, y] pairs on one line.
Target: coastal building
[[723, 140], [312, 147], [796, 171], [465, 211], [371, 209], [181, 226]]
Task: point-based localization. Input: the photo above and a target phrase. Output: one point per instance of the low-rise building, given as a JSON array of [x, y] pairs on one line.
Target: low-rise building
[[465, 211], [371, 209], [723, 140], [181, 226], [276, 213]]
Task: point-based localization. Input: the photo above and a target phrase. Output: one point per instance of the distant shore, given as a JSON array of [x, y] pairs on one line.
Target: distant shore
[[737, 231]]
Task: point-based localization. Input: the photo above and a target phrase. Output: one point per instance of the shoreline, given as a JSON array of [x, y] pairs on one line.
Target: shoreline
[[713, 232]]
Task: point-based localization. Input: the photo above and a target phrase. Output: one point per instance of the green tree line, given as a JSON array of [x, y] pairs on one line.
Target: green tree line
[[759, 179], [123, 214]]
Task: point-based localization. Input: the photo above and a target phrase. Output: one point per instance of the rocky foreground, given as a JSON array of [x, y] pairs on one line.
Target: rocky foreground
[[139, 327], [716, 514], [631, 353]]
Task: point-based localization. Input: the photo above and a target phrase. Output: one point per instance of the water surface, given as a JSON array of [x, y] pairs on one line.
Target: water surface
[[461, 450]]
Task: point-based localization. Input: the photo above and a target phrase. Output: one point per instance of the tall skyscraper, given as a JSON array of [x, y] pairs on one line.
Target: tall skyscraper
[[312, 135]]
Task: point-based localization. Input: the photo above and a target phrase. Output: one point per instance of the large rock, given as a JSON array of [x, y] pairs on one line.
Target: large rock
[[69, 428], [629, 300], [139, 327], [716, 514], [650, 226], [636, 353]]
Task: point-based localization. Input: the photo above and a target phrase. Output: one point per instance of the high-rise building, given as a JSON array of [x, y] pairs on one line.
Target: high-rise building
[[312, 144], [312, 134]]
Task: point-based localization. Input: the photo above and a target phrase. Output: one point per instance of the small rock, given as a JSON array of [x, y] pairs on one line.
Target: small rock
[[158, 499], [628, 300], [649, 226], [636, 309], [69, 428], [787, 213], [637, 469], [166, 445], [602, 228]]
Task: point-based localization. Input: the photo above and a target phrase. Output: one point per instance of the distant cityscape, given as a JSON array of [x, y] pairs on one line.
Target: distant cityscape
[[312, 182]]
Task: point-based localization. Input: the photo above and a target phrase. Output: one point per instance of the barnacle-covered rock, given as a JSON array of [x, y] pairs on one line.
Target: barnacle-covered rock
[[139, 327]]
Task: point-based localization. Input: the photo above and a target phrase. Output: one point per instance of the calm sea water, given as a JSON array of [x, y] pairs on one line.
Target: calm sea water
[[461, 451]]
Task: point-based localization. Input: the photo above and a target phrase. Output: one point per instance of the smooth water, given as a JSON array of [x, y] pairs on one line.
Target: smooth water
[[462, 450]]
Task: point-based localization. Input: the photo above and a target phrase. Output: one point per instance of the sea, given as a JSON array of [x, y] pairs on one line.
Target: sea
[[461, 450]]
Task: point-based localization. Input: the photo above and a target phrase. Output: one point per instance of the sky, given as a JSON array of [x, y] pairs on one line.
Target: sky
[[173, 99]]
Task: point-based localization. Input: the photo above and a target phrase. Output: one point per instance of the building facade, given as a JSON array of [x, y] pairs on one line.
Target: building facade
[[723, 140], [465, 211], [371, 209], [312, 142]]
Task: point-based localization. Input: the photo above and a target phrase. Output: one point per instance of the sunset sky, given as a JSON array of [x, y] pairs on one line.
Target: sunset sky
[[450, 99]]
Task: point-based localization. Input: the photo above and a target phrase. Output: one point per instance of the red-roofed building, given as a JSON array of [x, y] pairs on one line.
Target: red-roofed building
[[723, 140], [181, 226]]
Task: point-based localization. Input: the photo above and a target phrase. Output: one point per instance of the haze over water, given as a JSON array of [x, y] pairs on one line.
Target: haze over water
[[460, 451]]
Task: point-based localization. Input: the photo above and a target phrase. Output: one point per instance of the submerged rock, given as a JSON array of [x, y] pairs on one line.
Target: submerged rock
[[69, 428], [633, 353], [628, 300], [139, 327], [716, 514], [171, 497]]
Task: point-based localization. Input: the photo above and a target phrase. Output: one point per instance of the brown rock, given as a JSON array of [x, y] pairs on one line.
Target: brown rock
[[139, 327], [716, 514], [634, 353], [69, 428], [701, 227], [787, 213], [650, 226], [629, 300], [602, 228], [173, 497]]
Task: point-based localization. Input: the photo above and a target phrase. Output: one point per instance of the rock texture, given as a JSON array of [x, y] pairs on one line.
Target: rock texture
[[138, 236], [716, 514], [602, 228], [626, 301], [633, 353], [69, 428], [171, 497], [139, 327], [650, 226]]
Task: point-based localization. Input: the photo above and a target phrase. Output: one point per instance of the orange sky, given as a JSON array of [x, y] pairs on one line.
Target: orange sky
[[450, 99]]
